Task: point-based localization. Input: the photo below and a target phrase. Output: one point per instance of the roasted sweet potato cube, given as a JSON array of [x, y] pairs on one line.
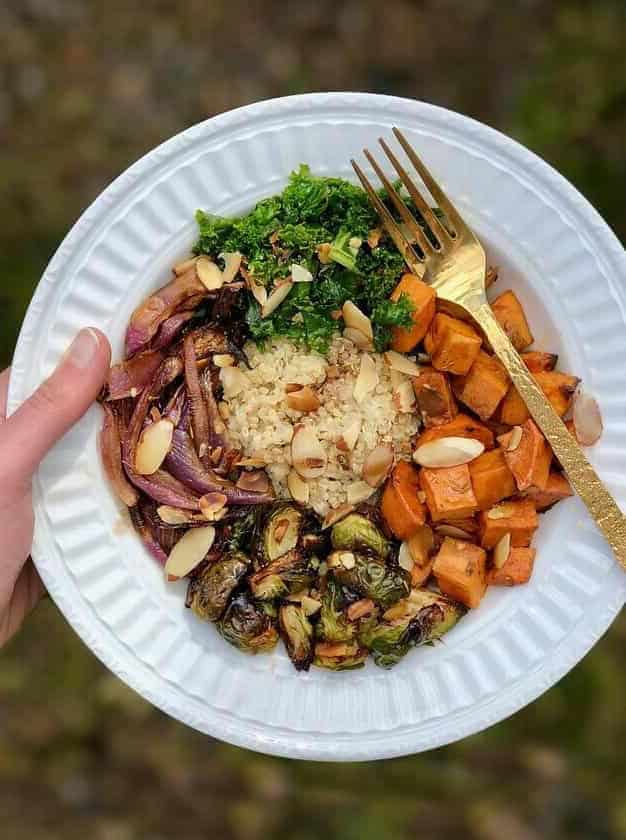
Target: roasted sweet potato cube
[[530, 460], [422, 296], [449, 493], [461, 571], [517, 518], [492, 480], [453, 344], [469, 525], [434, 397], [461, 426], [401, 509], [509, 312], [512, 410], [537, 362], [559, 388], [484, 387], [557, 488], [517, 568]]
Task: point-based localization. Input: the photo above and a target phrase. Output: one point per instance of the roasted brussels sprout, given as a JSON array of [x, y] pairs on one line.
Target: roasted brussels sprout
[[356, 533], [297, 633], [339, 656], [289, 573], [370, 577], [241, 532], [333, 626], [281, 532], [387, 641], [246, 626], [208, 593]]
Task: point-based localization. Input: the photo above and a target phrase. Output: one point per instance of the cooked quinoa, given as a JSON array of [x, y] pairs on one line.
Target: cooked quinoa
[[261, 424]]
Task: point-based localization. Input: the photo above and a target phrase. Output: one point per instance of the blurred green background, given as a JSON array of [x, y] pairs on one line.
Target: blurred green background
[[85, 89]]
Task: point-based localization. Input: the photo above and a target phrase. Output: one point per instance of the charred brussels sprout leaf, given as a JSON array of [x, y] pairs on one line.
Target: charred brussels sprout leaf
[[339, 656], [289, 573], [357, 533], [242, 531], [333, 626], [281, 533], [208, 593], [297, 633], [370, 577], [248, 627], [388, 642]]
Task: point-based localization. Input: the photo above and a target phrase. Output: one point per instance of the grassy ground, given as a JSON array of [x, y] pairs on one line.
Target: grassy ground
[[86, 88]]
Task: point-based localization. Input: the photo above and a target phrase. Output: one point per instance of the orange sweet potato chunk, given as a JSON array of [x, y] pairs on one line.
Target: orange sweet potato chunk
[[449, 493], [462, 426], [422, 296], [461, 571], [509, 312], [484, 387], [401, 509], [518, 567], [530, 460], [559, 389], [512, 410], [517, 518], [453, 344], [434, 397], [557, 488], [492, 480], [538, 362]]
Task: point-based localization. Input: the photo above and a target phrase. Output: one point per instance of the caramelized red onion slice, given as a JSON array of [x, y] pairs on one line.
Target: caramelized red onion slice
[[169, 330], [111, 450], [197, 405], [147, 537], [129, 378]]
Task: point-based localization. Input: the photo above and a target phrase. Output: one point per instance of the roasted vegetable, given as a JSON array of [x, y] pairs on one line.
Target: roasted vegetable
[[208, 593], [529, 457], [517, 568], [370, 576], [356, 533], [492, 480], [401, 508], [484, 387], [434, 397], [333, 625], [248, 627], [517, 518], [461, 571], [453, 344], [449, 493], [339, 656], [289, 573], [509, 312], [461, 426], [422, 297], [281, 532], [297, 632], [557, 488]]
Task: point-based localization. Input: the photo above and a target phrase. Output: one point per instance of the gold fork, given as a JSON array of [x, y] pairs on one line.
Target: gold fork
[[455, 267]]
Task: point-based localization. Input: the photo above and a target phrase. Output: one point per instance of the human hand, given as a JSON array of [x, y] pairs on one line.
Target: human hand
[[25, 437]]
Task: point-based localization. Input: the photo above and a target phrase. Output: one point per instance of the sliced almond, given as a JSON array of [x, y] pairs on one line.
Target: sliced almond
[[399, 362], [367, 379], [452, 531], [586, 418], [501, 551], [448, 452], [501, 511], [307, 454], [233, 380], [323, 253], [276, 298], [153, 446], [357, 320], [344, 558], [232, 264], [222, 360], [358, 338], [184, 266], [405, 558], [213, 506], [257, 290], [354, 243], [360, 608], [373, 237], [421, 544], [291, 387], [300, 274], [251, 462], [209, 274], [377, 464], [189, 551], [403, 398], [348, 439], [303, 399], [516, 438], [358, 492], [336, 515], [224, 410], [397, 379], [174, 516], [298, 488], [310, 605], [255, 481]]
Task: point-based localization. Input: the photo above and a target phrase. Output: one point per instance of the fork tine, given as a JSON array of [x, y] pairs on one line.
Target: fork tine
[[435, 190], [420, 202], [415, 262], [425, 246]]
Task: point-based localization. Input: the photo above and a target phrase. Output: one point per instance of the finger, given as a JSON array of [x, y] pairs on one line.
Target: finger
[[4, 391], [56, 405]]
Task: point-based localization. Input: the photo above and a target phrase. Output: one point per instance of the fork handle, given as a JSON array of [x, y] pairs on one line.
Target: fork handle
[[583, 478]]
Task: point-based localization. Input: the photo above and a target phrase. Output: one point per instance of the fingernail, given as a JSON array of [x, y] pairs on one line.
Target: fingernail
[[83, 349]]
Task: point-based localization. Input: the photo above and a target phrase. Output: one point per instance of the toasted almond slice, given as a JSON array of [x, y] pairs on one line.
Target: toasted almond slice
[[224, 410], [500, 511], [307, 454], [424, 358], [232, 264], [257, 290], [421, 544], [153, 446], [303, 399], [356, 320], [213, 506], [348, 439], [342, 558], [516, 438], [209, 274], [358, 492], [251, 462], [399, 362], [255, 481], [397, 378], [222, 360], [276, 298], [354, 243], [184, 266], [358, 338], [367, 379], [360, 608], [233, 380], [448, 452], [373, 237], [336, 515], [300, 274], [189, 551], [452, 531], [403, 398], [501, 551], [377, 464], [298, 488], [586, 418], [174, 516], [310, 605], [405, 558]]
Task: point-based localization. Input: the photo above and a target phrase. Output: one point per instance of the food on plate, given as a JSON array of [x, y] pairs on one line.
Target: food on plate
[[323, 455]]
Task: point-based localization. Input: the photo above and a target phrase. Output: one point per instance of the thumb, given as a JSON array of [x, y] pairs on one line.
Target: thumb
[[56, 405]]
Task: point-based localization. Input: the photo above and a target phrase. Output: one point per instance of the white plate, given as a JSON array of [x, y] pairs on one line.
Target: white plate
[[551, 246]]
